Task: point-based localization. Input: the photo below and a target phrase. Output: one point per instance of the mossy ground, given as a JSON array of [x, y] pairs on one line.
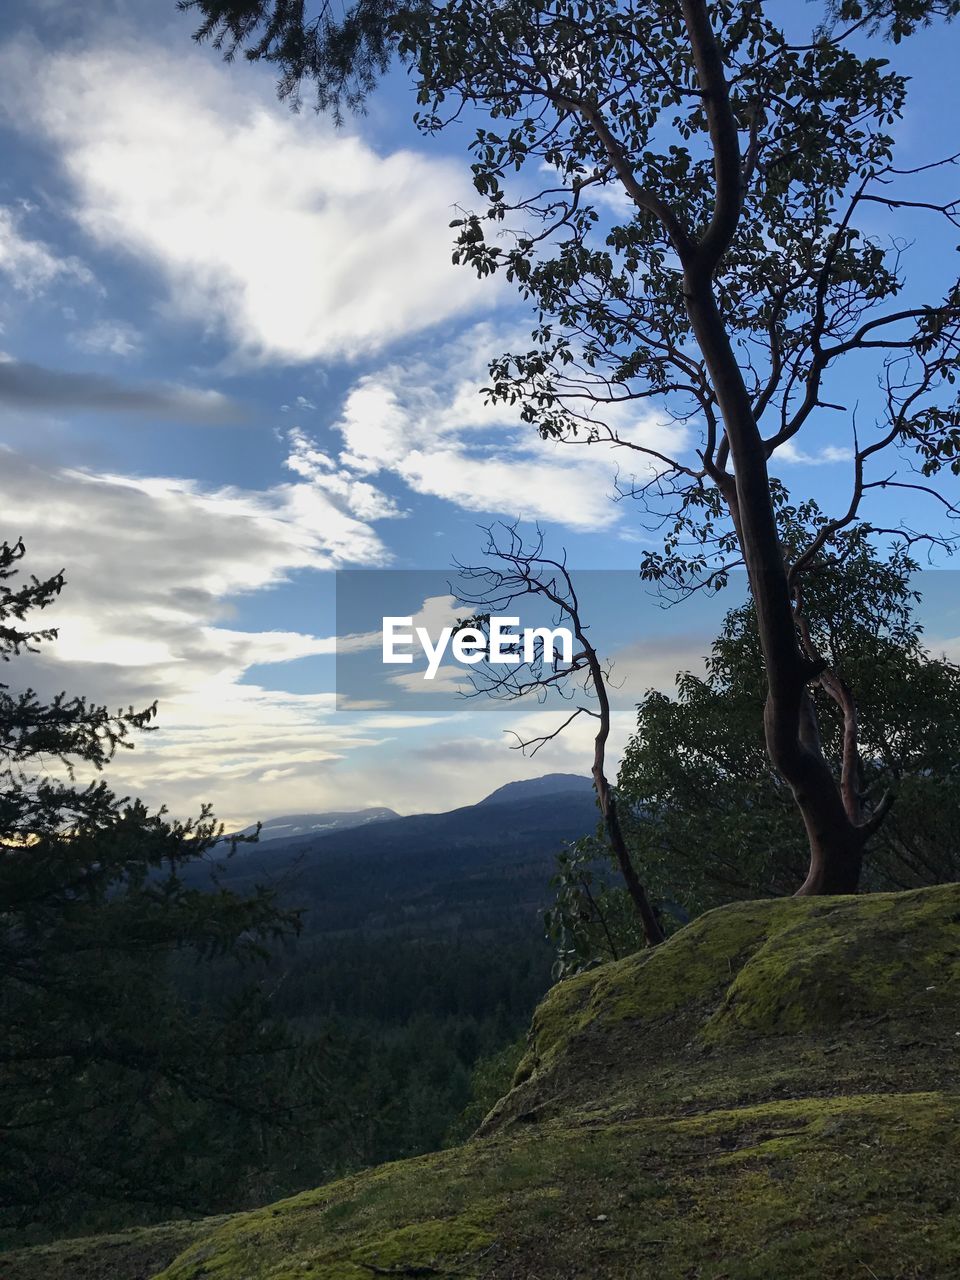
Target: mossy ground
[[136, 1254], [773, 1094]]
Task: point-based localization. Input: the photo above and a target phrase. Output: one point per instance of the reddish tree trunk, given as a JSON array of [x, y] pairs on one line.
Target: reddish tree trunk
[[836, 840]]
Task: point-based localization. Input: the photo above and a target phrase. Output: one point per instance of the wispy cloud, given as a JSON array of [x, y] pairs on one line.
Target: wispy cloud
[[30, 265], [821, 457], [425, 420], [32, 387], [108, 337]]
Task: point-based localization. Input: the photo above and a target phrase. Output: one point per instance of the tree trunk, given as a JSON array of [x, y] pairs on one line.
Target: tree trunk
[[652, 930], [836, 860], [836, 845], [836, 840]]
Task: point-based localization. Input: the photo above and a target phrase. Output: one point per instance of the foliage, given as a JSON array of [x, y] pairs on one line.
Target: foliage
[[896, 18], [114, 1091], [712, 820], [406, 1023], [708, 820], [342, 53], [309, 42], [592, 919]]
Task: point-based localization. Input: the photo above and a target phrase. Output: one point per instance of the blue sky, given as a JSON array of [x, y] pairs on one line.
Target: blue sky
[[236, 356]]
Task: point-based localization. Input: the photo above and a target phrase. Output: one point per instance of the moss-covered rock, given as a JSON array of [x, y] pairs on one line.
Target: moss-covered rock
[[773, 1093]]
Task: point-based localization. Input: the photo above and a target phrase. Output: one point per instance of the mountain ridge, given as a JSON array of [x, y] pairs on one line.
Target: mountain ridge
[[290, 826], [474, 869], [298, 825], [546, 784]]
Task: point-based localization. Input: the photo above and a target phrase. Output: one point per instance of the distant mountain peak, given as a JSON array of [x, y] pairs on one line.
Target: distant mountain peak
[[320, 824], [548, 784]]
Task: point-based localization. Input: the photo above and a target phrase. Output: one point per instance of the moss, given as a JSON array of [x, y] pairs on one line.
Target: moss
[[135, 1254], [689, 969], [702, 1020], [433, 1244], [787, 1189], [775, 1092], [858, 959]]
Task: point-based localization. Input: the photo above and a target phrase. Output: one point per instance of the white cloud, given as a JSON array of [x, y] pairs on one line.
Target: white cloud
[[426, 421], [311, 463], [153, 566], [30, 265], [789, 452], [296, 240], [449, 682], [108, 337]]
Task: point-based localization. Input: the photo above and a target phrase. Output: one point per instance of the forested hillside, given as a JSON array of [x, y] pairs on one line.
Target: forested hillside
[[422, 953]]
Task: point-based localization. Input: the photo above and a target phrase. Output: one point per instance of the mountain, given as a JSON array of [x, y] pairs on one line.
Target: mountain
[[317, 824], [475, 869], [295, 825], [549, 784]]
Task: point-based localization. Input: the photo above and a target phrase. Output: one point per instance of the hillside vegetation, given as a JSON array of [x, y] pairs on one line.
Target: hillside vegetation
[[773, 1092]]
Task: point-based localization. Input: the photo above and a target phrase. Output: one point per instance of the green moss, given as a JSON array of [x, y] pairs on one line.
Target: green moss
[[434, 1243], [858, 959], [135, 1254], [688, 970], [786, 1189], [700, 1021], [775, 1092]]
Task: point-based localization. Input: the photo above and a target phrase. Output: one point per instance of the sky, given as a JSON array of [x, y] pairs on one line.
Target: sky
[[235, 357]]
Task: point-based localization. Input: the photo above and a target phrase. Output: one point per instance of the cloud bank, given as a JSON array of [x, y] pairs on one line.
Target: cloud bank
[[294, 240]]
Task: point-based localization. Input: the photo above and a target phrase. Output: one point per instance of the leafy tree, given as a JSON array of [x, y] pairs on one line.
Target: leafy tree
[[713, 821], [117, 1095], [344, 49], [707, 818], [745, 273]]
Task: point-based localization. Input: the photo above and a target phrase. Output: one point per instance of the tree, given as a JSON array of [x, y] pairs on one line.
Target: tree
[[344, 51], [708, 819], [737, 284], [115, 1090], [516, 572]]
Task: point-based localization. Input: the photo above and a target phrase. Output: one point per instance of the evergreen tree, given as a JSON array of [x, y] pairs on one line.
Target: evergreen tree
[[117, 1095]]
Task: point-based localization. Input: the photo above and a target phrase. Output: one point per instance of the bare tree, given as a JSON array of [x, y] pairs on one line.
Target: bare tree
[[513, 573]]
